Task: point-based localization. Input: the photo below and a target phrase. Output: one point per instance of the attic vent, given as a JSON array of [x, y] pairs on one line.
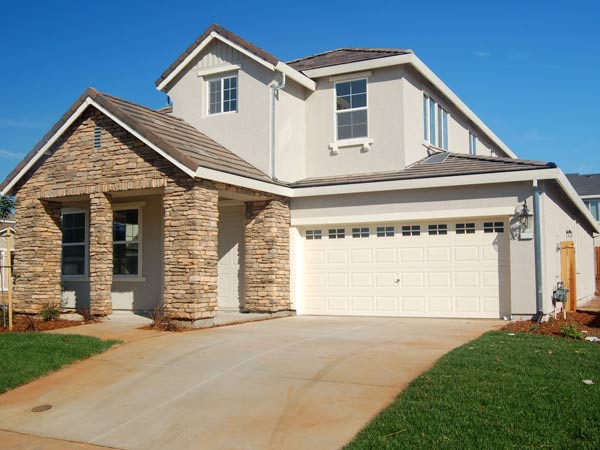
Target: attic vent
[[97, 136], [437, 158]]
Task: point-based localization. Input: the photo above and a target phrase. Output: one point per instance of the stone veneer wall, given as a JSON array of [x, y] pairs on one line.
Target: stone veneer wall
[[267, 264], [37, 254], [100, 254], [190, 250], [73, 168]]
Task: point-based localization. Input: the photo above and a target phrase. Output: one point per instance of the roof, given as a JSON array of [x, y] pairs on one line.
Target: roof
[[177, 138], [435, 166], [585, 184], [343, 56], [249, 46]]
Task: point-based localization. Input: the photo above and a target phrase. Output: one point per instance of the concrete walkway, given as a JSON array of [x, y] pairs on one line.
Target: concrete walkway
[[292, 383]]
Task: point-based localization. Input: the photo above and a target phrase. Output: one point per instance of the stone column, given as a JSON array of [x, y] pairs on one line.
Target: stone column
[[267, 261], [190, 252], [101, 254], [38, 248]]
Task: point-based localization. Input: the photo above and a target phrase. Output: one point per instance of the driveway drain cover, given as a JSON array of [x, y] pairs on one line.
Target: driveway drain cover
[[41, 408]]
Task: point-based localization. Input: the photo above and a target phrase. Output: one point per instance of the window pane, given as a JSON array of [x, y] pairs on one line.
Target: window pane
[[425, 122], [358, 87], [342, 89], [344, 132], [343, 103], [73, 260], [125, 259], [214, 97], [125, 225], [359, 101], [431, 121]]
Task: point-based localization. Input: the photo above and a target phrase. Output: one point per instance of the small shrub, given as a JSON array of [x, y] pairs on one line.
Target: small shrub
[[571, 331], [86, 314], [160, 321], [50, 312], [30, 323]]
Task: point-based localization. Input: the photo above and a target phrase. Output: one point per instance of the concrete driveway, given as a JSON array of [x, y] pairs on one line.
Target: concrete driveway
[[293, 383]]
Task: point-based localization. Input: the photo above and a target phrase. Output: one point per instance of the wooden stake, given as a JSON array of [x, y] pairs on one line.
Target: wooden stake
[[9, 272]]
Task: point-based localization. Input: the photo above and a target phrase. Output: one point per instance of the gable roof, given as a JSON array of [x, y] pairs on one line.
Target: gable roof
[[433, 166], [585, 184], [343, 56], [175, 139], [218, 32]]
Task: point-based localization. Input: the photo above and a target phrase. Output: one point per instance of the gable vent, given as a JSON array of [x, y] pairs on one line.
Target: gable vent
[[97, 136]]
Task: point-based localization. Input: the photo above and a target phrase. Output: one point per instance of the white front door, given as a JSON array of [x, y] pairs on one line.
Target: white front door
[[231, 250], [454, 269]]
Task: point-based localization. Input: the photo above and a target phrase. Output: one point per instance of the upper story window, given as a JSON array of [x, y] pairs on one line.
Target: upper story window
[[472, 144], [594, 207], [74, 244], [435, 123], [222, 95], [126, 242], [351, 109]]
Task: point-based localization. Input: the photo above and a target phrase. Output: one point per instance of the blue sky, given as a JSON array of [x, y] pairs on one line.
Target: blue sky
[[529, 69]]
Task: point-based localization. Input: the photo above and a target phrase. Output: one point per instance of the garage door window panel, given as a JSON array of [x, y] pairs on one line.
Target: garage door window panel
[[411, 230], [313, 234], [337, 233], [465, 228], [385, 231], [439, 229], [360, 232], [493, 227]]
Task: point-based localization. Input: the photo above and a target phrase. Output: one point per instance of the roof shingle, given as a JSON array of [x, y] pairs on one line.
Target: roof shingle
[[343, 56], [586, 184]]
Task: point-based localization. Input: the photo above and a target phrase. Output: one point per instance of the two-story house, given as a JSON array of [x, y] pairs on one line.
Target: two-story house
[[350, 182]]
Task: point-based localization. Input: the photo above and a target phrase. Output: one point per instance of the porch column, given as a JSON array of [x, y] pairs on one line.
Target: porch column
[[101, 254], [38, 248], [267, 260], [190, 252]]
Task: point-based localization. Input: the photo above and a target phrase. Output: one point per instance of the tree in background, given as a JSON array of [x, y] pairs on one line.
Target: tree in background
[[7, 205]]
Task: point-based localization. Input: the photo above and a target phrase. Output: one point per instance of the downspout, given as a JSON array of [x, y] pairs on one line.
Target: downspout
[[276, 88], [539, 299]]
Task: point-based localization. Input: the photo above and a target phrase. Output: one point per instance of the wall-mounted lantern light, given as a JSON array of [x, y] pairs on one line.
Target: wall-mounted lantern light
[[525, 222], [569, 234]]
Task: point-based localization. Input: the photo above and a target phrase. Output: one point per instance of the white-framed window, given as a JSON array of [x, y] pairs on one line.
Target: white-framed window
[[493, 227], [127, 240], [385, 231], [360, 232], [465, 228], [313, 234], [337, 233], [351, 111], [74, 259], [435, 123], [411, 230], [472, 144], [594, 207], [438, 229], [222, 94]]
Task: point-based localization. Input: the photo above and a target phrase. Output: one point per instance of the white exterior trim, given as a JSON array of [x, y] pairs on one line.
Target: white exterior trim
[[218, 69], [280, 66], [237, 180], [404, 217], [351, 76], [414, 61], [296, 76], [591, 197]]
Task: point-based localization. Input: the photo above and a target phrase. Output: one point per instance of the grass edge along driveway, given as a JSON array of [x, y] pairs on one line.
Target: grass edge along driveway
[[27, 356], [497, 392]]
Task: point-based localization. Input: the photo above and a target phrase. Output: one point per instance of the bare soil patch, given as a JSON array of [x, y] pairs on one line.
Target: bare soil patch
[[587, 322], [24, 323]]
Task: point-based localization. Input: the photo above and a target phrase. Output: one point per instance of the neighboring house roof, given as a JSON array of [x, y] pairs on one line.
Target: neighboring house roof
[[437, 165], [585, 184], [343, 56], [181, 142]]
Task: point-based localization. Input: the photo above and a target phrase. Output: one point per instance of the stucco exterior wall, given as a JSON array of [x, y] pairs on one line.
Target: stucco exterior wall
[[558, 216], [246, 131]]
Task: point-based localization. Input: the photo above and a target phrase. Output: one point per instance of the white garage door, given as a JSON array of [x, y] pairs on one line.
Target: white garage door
[[433, 269]]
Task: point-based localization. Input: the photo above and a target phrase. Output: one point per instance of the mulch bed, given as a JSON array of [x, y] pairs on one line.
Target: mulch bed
[[24, 323], [587, 322]]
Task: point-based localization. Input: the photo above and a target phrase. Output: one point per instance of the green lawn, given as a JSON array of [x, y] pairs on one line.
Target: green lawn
[[497, 392], [26, 356]]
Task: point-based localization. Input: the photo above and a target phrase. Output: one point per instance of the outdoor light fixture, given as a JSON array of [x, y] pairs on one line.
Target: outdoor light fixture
[[525, 222], [569, 233]]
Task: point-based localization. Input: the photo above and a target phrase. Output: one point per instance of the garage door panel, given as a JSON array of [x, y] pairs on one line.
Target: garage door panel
[[452, 275], [361, 280]]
